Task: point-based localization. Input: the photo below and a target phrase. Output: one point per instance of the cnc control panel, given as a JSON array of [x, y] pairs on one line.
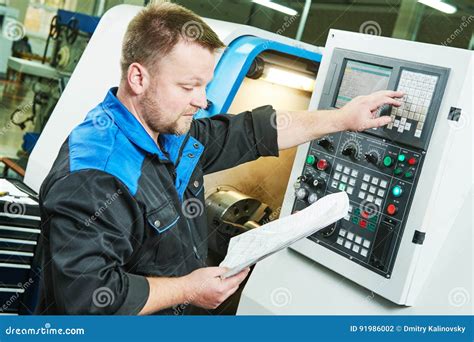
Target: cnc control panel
[[378, 168]]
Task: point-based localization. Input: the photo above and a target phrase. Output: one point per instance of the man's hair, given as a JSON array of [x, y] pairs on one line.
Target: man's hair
[[156, 29]]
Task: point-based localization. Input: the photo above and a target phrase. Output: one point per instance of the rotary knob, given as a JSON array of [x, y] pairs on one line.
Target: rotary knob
[[326, 144], [318, 183], [351, 150], [373, 158], [301, 194]]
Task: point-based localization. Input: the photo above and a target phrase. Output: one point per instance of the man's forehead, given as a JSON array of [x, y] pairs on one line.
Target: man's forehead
[[192, 60]]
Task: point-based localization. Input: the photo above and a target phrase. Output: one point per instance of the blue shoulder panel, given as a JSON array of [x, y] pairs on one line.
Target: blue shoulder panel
[[99, 144]]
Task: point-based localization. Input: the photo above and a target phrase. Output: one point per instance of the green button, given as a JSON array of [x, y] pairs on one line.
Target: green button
[[373, 218], [401, 157], [397, 191], [355, 219], [408, 174], [342, 187], [387, 161], [397, 171], [371, 227], [357, 211], [310, 159]]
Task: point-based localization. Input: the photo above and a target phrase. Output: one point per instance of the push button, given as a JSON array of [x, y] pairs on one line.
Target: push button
[[411, 161], [397, 191], [387, 161], [391, 209]]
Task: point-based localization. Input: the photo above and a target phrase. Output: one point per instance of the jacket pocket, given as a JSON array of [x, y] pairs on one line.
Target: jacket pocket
[[163, 218]]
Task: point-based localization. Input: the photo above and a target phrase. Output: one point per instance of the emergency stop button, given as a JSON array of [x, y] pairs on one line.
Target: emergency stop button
[[322, 164], [392, 209]]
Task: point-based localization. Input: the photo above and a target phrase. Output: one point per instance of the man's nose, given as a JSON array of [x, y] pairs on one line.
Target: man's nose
[[201, 100]]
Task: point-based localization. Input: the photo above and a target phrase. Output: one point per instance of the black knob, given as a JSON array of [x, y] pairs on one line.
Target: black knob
[[350, 151], [326, 144], [318, 183], [372, 158]]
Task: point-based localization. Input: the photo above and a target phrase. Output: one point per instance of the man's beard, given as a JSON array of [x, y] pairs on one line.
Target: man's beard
[[155, 121]]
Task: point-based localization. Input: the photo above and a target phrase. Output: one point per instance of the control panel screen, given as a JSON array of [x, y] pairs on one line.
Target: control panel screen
[[361, 79]]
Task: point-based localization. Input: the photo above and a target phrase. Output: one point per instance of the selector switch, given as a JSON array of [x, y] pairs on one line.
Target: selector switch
[[326, 144], [350, 151], [301, 194], [373, 158]]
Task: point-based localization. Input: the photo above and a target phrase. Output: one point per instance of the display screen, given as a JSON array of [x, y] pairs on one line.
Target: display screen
[[361, 79]]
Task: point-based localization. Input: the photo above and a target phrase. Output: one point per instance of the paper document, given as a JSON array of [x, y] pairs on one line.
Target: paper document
[[252, 246]]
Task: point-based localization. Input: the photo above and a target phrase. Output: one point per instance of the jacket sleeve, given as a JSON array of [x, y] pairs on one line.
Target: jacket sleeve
[[230, 140], [88, 217]]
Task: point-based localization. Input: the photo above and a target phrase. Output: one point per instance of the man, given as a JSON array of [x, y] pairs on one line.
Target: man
[[118, 234]]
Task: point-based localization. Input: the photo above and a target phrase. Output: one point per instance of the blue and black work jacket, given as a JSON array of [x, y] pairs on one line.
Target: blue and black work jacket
[[117, 207]]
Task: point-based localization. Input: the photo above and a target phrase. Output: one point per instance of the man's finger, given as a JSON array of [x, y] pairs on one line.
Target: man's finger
[[381, 121], [385, 100], [236, 279], [390, 93]]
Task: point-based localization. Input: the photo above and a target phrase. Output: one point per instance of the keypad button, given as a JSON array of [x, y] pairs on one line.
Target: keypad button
[[338, 167], [364, 252], [350, 236], [358, 240], [364, 186], [354, 173], [340, 240], [348, 244], [366, 177], [383, 184], [347, 171], [352, 181], [342, 232], [381, 193], [336, 175], [344, 179], [372, 189], [375, 181], [361, 195], [356, 248], [366, 243]]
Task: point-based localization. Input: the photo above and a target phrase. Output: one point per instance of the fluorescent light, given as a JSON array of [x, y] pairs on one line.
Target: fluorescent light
[[287, 78], [276, 7], [440, 6]]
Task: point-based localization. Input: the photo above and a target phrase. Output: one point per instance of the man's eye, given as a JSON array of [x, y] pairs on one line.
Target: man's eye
[[188, 88]]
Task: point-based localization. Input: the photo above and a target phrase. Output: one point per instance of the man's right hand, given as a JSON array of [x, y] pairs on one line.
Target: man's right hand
[[205, 288]]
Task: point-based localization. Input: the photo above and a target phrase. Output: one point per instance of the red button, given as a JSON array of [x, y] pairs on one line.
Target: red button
[[322, 164], [391, 209], [411, 161], [363, 223], [364, 214]]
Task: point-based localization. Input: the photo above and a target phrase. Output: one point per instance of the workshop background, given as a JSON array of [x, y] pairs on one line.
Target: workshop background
[[55, 32]]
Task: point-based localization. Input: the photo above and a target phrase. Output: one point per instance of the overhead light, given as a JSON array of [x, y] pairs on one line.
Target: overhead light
[[288, 78], [276, 7], [440, 6]]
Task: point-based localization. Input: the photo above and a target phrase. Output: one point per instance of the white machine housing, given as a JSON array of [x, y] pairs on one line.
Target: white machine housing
[[444, 186]]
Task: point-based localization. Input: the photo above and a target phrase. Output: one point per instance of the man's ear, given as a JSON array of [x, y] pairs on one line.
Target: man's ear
[[138, 78]]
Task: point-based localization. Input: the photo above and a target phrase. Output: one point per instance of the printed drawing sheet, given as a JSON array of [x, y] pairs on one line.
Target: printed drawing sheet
[[252, 246]]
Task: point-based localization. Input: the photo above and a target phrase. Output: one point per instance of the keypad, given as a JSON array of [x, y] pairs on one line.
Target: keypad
[[353, 242], [419, 89]]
